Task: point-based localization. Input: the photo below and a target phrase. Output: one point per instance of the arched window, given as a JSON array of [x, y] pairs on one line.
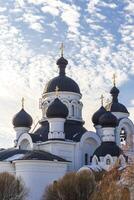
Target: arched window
[[95, 160], [73, 110], [86, 159], [108, 161], [123, 137]]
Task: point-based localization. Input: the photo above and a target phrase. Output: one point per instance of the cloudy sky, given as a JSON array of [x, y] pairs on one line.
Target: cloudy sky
[[99, 40]]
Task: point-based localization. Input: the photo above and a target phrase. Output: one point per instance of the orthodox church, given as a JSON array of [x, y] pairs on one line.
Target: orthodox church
[[62, 143]]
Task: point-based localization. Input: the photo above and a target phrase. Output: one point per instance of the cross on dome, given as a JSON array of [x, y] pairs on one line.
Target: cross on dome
[[114, 79], [22, 102], [108, 102], [62, 49], [102, 98]]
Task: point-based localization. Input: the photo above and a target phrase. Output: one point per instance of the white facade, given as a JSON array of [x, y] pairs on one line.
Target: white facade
[[70, 99], [76, 151], [38, 174]]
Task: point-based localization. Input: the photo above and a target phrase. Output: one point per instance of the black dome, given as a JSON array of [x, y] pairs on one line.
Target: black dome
[[63, 82], [118, 107], [22, 119], [115, 106], [57, 109], [97, 114], [108, 120], [108, 148]]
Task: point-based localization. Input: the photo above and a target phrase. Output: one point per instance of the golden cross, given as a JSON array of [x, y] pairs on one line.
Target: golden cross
[[108, 102], [102, 98], [62, 49], [57, 91], [22, 101], [114, 79]]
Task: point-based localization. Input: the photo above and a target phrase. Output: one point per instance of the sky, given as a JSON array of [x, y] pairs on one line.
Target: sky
[[98, 36]]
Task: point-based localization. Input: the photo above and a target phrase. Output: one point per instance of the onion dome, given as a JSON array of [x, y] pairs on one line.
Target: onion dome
[[22, 119], [108, 120], [57, 109], [97, 114], [115, 106], [63, 82], [110, 148]]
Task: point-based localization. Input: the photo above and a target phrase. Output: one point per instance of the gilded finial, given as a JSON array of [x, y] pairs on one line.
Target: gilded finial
[[102, 98], [114, 79], [62, 49], [57, 91], [22, 101]]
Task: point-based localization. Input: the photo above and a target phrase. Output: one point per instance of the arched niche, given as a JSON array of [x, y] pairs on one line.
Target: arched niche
[[95, 160], [25, 145], [125, 129], [74, 108], [108, 160], [25, 142], [88, 144]]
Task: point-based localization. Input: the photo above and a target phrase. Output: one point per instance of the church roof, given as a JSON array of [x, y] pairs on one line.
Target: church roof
[[18, 154], [57, 109], [22, 119], [108, 120], [63, 82], [115, 106], [97, 114], [108, 148]]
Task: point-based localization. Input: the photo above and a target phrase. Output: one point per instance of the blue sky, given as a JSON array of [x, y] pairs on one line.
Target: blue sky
[[99, 40]]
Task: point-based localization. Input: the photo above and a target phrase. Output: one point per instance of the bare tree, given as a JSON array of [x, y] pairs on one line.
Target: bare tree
[[11, 188], [73, 186], [51, 192], [109, 188], [85, 184]]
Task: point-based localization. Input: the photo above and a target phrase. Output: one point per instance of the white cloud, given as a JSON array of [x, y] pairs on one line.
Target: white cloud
[[51, 10], [93, 51], [33, 21]]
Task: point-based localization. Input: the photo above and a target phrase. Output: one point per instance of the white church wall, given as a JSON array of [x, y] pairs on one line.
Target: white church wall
[[37, 175], [7, 167], [88, 143], [98, 130], [63, 149], [56, 128]]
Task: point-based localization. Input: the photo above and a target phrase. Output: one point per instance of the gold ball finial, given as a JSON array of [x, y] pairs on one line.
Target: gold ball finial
[[57, 91], [102, 98], [62, 49], [22, 101], [114, 79]]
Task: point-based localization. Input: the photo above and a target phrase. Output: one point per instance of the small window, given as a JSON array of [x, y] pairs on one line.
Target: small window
[[86, 159], [123, 136], [108, 162], [73, 110]]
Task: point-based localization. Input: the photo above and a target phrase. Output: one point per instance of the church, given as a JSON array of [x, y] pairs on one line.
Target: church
[[61, 143]]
